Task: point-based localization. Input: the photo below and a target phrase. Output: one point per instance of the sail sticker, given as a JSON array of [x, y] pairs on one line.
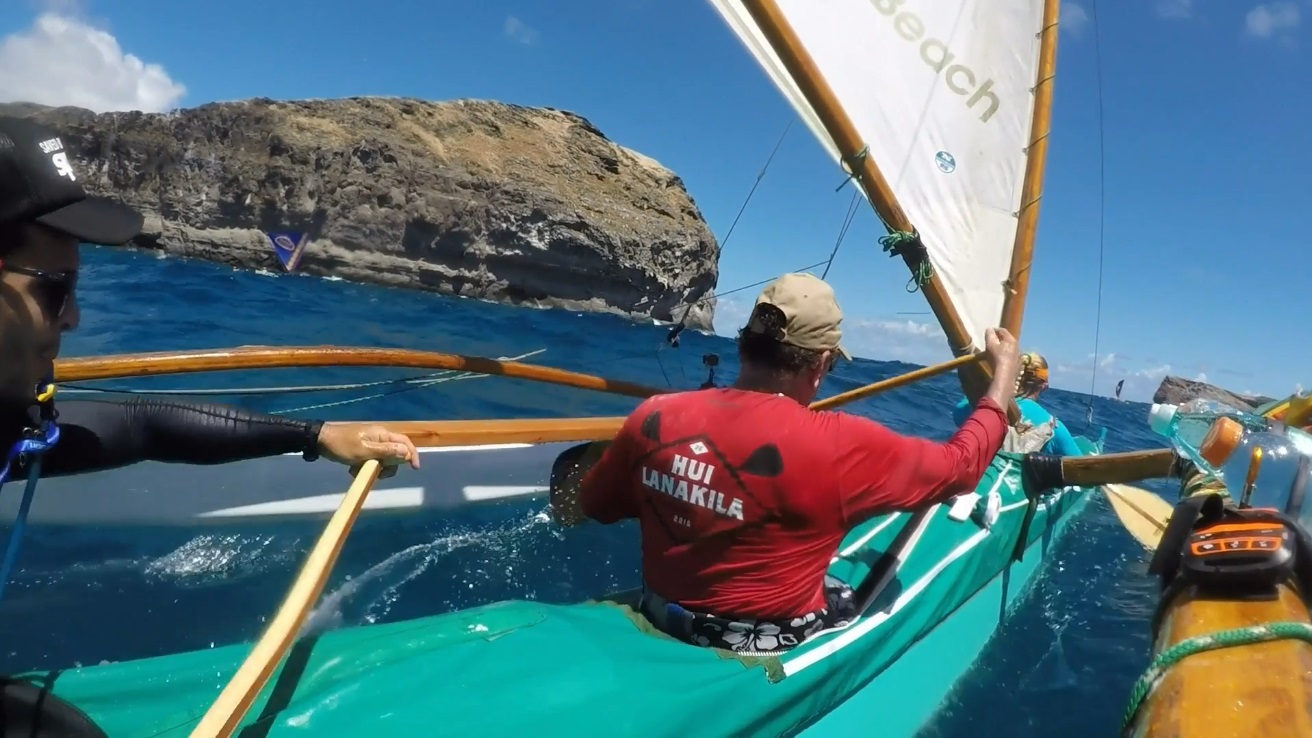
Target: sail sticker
[[945, 162], [289, 246]]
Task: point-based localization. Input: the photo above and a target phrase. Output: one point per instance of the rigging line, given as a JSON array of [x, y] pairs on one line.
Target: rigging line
[[384, 393], [757, 183], [1102, 204], [678, 327], [842, 232]]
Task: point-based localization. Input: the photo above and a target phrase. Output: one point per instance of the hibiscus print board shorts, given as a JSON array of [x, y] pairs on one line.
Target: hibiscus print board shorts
[[750, 636]]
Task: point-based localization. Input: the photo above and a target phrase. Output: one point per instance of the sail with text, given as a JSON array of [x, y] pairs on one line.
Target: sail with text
[[289, 247], [1119, 385], [942, 94]]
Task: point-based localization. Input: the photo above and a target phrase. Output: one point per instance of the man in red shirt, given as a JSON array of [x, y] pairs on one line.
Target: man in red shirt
[[743, 494]]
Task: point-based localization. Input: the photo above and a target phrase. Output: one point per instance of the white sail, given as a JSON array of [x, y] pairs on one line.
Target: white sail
[[942, 93]]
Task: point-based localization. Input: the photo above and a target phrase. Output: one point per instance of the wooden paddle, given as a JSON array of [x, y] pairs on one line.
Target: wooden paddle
[[223, 717], [1143, 514]]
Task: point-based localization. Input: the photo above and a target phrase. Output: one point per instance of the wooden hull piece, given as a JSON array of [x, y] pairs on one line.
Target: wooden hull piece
[[1257, 690]]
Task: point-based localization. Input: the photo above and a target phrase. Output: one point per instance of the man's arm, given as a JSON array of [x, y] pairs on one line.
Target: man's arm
[[98, 434], [598, 484], [881, 471]]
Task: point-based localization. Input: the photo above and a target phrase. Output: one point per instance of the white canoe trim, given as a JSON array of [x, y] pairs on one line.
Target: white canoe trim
[[484, 493], [381, 499]]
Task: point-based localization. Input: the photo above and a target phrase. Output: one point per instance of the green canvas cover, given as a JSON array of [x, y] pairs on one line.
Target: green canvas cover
[[593, 668]]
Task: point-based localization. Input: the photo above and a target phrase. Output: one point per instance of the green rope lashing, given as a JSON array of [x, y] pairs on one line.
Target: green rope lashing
[[901, 243], [850, 163], [1211, 642]]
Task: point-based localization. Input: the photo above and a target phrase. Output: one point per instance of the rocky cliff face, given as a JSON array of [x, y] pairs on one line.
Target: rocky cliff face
[[1177, 391], [481, 199]]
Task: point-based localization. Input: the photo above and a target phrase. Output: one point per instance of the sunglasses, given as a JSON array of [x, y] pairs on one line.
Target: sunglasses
[[54, 290]]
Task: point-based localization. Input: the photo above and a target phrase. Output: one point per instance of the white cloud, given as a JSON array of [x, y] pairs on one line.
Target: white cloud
[[1175, 8], [1073, 18], [61, 60], [917, 342], [730, 314], [899, 339], [519, 31], [1140, 383], [1272, 19]]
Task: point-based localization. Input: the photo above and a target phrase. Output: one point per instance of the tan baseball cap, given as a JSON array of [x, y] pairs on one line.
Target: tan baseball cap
[[811, 313]]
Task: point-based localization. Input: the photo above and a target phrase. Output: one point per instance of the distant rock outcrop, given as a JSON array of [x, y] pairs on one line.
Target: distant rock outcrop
[[482, 199], [1177, 391]]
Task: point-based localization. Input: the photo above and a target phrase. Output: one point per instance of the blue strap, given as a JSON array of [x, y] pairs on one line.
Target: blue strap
[[35, 448]]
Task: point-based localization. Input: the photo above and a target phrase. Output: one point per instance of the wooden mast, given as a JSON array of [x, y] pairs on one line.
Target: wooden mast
[[1022, 254], [801, 67]]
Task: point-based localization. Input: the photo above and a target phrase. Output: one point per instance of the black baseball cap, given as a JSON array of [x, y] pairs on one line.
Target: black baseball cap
[[38, 185]]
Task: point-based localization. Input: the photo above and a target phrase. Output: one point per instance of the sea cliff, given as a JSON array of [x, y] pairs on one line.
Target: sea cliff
[[475, 198], [1177, 391]]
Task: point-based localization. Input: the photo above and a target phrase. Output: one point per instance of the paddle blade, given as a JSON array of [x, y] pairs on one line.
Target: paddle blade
[[1143, 513], [566, 475]]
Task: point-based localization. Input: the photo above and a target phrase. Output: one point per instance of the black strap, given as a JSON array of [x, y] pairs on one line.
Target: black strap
[[1166, 559], [1039, 473]]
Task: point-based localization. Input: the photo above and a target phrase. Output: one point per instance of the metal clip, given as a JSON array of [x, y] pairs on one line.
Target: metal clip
[[1254, 466]]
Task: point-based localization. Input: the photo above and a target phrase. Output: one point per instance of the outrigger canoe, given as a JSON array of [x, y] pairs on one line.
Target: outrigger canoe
[[964, 124], [938, 588]]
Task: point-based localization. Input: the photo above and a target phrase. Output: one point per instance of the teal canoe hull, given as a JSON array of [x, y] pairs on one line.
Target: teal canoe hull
[[597, 668], [923, 678]]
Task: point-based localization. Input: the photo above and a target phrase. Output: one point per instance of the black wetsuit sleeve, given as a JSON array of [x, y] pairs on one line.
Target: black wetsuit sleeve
[[98, 434]]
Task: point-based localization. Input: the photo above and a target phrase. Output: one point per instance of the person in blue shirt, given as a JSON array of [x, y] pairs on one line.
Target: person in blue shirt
[[1033, 380]]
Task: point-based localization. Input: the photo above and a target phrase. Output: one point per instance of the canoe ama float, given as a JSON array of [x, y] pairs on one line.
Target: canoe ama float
[[596, 668]]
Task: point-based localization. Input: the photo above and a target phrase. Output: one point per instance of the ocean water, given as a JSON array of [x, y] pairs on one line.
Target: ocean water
[[1063, 664]]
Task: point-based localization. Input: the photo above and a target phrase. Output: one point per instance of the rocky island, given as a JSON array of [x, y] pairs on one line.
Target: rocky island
[[481, 199], [1178, 390]]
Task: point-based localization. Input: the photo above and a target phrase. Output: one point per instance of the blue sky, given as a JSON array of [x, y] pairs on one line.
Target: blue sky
[[1205, 108]]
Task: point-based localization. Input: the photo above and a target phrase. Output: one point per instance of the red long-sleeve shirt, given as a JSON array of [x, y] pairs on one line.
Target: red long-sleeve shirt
[[743, 497]]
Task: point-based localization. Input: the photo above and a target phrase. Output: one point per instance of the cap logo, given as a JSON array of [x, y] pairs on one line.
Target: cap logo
[[58, 157]]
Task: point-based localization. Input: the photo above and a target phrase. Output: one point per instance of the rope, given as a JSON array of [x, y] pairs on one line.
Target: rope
[[672, 338], [910, 247], [842, 232], [1102, 207], [1211, 642], [850, 163], [34, 447]]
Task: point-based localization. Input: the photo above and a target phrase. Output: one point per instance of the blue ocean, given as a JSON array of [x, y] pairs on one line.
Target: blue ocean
[[1063, 665]]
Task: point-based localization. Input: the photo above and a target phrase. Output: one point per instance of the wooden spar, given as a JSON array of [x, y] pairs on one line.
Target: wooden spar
[[894, 382], [801, 67], [1022, 253], [1122, 468], [439, 433], [279, 357], [436, 433]]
